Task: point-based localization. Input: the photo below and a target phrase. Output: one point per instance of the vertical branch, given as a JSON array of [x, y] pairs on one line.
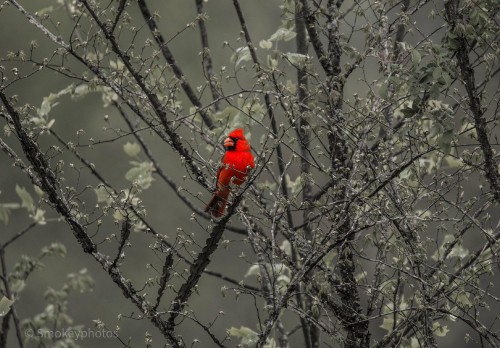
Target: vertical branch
[[197, 269], [4, 329], [310, 332], [125, 234], [267, 283], [388, 63], [169, 57], [202, 261], [121, 8], [12, 312], [490, 165], [207, 58], [334, 48], [165, 276], [400, 31], [414, 251], [279, 152], [46, 176], [303, 126], [353, 320], [269, 109], [317, 44]]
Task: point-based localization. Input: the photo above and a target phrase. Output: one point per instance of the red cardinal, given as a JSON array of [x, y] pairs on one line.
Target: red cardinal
[[235, 165]]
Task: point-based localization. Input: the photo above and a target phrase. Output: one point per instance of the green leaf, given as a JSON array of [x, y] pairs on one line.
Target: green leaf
[[248, 336], [226, 114], [231, 116], [118, 215], [80, 91], [414, 343], [4, 214], [131, 149], [435, 91], [444, 141], [436, 74], [50, 123], [254, 109], [361, 276], [283, 34], [387, 323], [27, 201], [297, 59], [17, 285], [38, 191], [283, 280], [267, 185], [463, 299], [446, 78], [265, 44], [453, 162], [239, 121], [272, 62], [241, 55], [50, 101], [382, 92], [329, 258], [270, 343], [44, 11], [290, 86], [294, 185], [428, 164], [141, 174], [407, 113], [459, 251], [103, 195], [7, 130], [426, 77], [416, 58], [45, 107], [39, 217], [5, 211], [118, 65], [286, 247], [81, 281], [54, 249], [440, 330], [5, 305], [254, 270]]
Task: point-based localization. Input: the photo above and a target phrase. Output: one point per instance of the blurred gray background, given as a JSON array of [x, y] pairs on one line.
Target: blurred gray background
[[164, 210]]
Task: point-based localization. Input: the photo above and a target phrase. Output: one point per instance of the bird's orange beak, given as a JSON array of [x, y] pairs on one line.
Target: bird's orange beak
[[229, 142]]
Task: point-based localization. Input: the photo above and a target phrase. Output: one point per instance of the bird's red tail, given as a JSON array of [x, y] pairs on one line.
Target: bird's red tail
[[217, 204]]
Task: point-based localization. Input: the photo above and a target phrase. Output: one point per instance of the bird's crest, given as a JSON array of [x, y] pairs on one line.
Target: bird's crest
[[237, 133]]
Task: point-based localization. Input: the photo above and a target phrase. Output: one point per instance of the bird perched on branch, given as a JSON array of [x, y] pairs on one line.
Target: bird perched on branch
[[234, 168]]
